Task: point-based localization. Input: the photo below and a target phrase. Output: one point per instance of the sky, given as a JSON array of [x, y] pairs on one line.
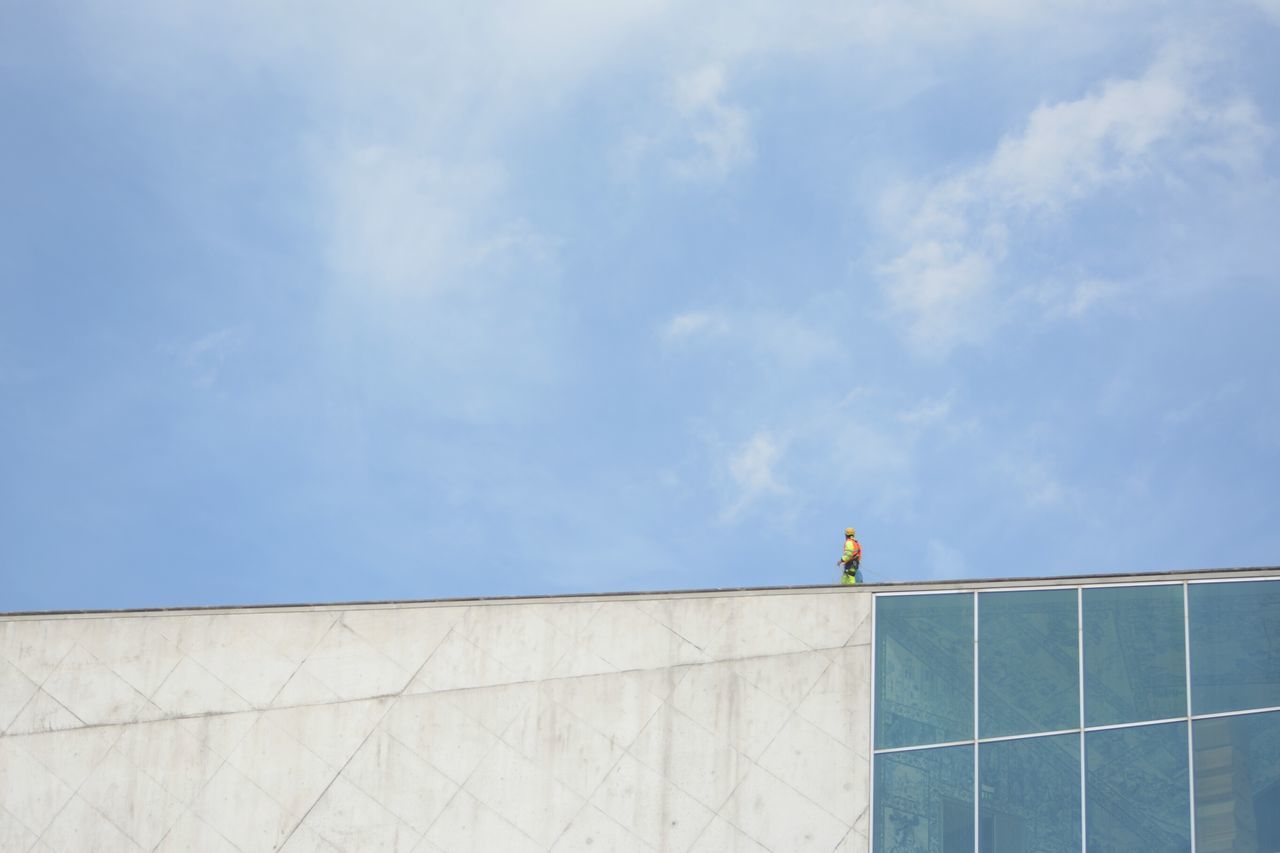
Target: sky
[[316, 301]]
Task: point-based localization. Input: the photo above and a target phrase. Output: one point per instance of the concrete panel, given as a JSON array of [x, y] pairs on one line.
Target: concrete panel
[[406, 636], [36, 646], [723, 837], [349, 819], [723, 702], [16, 691], [191, 689], [243, 813], [456, 664], [192, 835], [43, 713], [840, 702], [629, 638], [133, 802], [394, 775], [837, 783], [137, 650], [94, 693], [436, 730], [469, 826], [28, 791], [352, 668], [780, 818], [667, 722], [551, 736], [80, 827], [593, 830], [651, 807], [691, 757], [169, 754], [504, 780]]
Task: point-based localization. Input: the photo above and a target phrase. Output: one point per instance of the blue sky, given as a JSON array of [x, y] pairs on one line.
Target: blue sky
[[313, 301]]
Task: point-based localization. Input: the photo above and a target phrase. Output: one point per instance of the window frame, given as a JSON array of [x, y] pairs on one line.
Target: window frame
[[1081, 729]]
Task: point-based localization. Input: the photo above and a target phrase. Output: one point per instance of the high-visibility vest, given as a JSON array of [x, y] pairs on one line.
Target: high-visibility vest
[[852, 551]]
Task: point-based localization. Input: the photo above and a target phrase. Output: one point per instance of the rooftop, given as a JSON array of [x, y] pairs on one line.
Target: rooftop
[[922, 586]]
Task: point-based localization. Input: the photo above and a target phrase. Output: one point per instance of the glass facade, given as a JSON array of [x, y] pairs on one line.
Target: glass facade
[[1237, 766], [1134, 654], [1102, 718], [924, 669], [1028, 667], [926, 800], [1137, 796], [1029, 792], [1235, 646]]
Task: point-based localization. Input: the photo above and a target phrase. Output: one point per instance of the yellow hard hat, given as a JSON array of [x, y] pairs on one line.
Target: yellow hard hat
[[848, 531]]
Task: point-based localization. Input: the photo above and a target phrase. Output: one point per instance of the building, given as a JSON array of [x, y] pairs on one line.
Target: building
[[1139, 713]]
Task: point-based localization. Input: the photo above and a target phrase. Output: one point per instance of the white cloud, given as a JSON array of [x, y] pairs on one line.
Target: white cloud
[[411, 110], [946, 282], [402, 221], [752, 474], [720, 131], [698, 136], [403, 119], [449, 302], [862, 446], [693, 324], [783, 340], [1072, 300], [943, 291], [876, 452]]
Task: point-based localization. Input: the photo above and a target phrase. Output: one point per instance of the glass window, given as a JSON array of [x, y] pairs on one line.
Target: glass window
[[924, 669], [1028, 669], [1235, 646], [1237, 767], [1135, 658], [1029, 792], [1136, 791], [924, 801]]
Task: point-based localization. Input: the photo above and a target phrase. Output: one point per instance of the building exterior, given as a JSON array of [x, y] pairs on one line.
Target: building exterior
[[1135, 713], [1138, 716]]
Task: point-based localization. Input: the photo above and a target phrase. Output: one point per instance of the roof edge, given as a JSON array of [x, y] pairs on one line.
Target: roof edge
[[924, 585]]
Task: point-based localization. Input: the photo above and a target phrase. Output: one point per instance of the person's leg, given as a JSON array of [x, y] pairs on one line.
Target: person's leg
[[847, 579]]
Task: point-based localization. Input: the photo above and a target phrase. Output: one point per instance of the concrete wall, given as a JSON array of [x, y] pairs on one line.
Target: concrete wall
[[681, 722]]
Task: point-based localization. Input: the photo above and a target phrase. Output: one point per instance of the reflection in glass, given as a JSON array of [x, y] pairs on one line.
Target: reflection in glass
[[924, 669], [1235, 646], [1030, 795], [1237, 767], [1136, 791], [1134, 655], [1028, 671], [924, 801]]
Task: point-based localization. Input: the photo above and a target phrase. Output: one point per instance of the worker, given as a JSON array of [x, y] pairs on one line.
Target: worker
[[851, 559]]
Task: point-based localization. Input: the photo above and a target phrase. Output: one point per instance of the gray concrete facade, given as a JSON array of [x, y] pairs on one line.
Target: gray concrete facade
[[708, 722], [700, 722]]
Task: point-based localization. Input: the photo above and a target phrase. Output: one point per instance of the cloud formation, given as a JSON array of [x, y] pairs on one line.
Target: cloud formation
[[719, 130], [606, 278], [753, 475], [694, 324], [947, 284]]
